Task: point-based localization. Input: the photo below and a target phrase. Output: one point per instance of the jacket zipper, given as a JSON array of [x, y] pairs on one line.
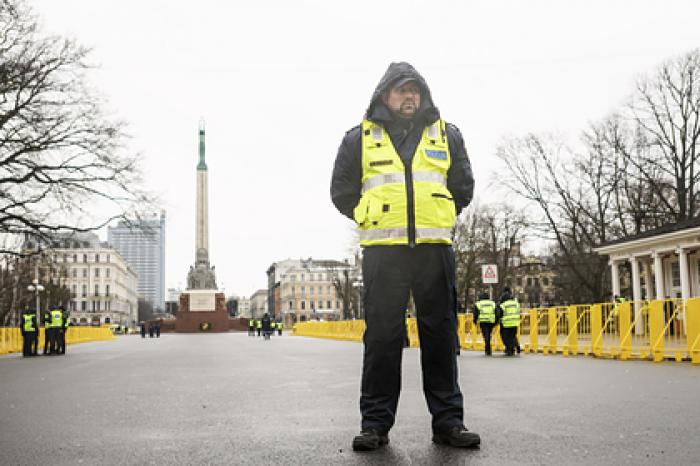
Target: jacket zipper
[[410, 205]]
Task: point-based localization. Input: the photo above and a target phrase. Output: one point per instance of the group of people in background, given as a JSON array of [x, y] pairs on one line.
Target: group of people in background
[[506, 313], [264, 327], [153, 329], [56, 323]]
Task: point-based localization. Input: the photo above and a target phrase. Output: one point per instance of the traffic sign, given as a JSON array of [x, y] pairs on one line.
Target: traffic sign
[[489, 274]]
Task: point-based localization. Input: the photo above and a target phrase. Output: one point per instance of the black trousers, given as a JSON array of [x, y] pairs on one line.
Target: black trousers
[[53, 340], [390, 273], [486, 329], [509, 335], [30, 343], [47, 340], [61, 332]]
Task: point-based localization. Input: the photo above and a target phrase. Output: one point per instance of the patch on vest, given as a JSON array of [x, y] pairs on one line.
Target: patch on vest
[[376, 133], [380, 163], [436, 154]]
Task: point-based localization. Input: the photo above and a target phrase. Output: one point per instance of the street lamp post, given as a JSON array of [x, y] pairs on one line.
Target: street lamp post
[[36, 287], [358, 285]]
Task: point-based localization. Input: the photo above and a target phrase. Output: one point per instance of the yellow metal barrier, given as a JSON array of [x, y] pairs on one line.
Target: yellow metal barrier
[[11, 338], [657, 330]]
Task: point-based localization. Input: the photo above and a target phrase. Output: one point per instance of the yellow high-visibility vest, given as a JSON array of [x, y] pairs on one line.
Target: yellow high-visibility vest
[[487, 311], [28, 324], [383, 213], [56, 319], [511, 313]]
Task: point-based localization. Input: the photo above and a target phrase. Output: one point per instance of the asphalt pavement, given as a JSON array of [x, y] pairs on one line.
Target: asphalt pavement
[[234, 399]]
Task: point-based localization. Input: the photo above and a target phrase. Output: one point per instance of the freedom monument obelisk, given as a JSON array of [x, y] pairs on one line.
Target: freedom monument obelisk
[[202, 306]]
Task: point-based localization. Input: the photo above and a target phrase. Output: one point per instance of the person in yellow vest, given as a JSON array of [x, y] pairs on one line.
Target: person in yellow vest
[[510, 321], [280, 326], [258, 325], [402, 176], [251, 327], [485, 316], [29, 328], [63, 331], [56, 328]]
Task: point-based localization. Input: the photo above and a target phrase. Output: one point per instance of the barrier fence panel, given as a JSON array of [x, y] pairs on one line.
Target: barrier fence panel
[[657, 330], [11, 340]]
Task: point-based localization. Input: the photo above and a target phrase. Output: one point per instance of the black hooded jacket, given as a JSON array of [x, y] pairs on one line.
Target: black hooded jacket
[[405, 134]]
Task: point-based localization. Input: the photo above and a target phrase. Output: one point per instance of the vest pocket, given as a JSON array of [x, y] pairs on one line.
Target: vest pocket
[[445, 209]]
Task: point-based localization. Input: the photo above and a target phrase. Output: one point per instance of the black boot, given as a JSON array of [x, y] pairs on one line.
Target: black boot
[[458, 437], [369, 440]]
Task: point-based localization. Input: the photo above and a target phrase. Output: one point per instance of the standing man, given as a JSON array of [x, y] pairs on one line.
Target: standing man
[[265, 324], [259, 326], [30, 333], [510, 321], [485, 315], [47, 332], [56, 329], [63, 332], [251, 327], [402, 176]]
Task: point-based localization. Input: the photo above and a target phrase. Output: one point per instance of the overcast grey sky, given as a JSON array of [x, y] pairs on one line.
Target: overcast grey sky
[[279, 82]]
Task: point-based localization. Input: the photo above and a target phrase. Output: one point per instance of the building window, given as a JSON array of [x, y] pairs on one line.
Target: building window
[[83, 306], [84, 257], [97, 272], [337, 304], [107, 306], [329, 304], [85, 273], [107, 271], [97, 257], [97, 290], [75, 273], [675, 274], [529, 281], [108, 258], [75, 258], [303, 305], [106, 290], [545, 281], [84, 293], [290, 305], [303, 291], [74, 291]]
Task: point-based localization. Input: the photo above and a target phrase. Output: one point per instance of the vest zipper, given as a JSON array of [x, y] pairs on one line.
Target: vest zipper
[[410, 205]]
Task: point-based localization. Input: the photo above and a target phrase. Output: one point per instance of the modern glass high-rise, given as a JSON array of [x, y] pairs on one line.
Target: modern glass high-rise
[[143, 248]]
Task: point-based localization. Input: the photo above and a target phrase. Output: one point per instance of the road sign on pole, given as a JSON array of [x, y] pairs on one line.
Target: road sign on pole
[[489, 274]]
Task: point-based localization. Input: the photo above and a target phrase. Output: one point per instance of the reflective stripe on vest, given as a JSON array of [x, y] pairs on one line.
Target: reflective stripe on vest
[[56, 319], [511, 313], [393, 178], [28, 324], [487, 311], [382, 214]]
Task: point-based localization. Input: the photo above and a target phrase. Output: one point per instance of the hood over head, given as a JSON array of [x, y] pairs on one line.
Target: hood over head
[[483, 295], [396, 74]]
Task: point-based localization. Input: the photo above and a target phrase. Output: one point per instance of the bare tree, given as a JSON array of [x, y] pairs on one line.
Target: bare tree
[[60, 156], [485, 234], [666, 106], [575, 207]]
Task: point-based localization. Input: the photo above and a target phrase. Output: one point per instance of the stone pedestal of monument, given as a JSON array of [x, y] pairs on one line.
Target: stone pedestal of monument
[[202, 311]]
